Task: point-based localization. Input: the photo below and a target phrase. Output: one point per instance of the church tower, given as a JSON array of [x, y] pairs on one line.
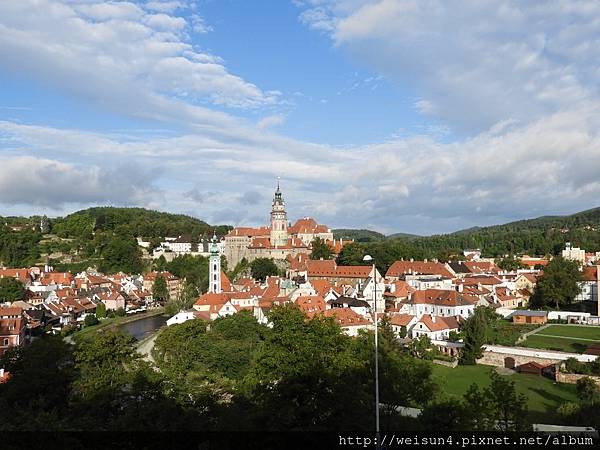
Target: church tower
[[279, 223], [214, 271]]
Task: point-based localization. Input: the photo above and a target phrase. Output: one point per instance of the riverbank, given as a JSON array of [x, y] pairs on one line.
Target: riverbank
[[114, 322]]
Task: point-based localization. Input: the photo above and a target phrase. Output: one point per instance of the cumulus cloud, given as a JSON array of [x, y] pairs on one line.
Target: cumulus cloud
[[416, 184], [478, 62], [26, 180], [126, 58]]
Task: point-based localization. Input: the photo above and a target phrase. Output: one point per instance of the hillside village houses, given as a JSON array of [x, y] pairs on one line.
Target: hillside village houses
[[420, 298]]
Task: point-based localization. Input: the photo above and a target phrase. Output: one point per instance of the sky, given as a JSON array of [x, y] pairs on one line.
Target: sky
[[417, 116]]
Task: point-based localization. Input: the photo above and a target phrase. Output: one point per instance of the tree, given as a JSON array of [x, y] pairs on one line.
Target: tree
[[120, 312], [509, 263], [320, 250], [11, 290], [497, 407], [261, 268], [588, 391], [558, 284], [90, 320], [101, 310], [121, 254], [474, 333], [185, 299], [160, 291]]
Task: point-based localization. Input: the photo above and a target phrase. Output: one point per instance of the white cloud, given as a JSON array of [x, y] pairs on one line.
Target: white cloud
[[418, 184], [478, 62], [122, 57], [270, 121]]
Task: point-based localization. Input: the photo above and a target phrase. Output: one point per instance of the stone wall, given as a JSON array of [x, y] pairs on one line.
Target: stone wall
[[495, 355], [572, 378]]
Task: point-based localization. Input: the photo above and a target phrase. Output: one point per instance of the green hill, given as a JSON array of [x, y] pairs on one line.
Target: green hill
[[545, 235], [130, 222], [358, 235]]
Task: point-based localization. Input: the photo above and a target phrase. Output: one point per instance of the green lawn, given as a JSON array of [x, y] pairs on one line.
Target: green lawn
[[544, 395], [574, 331], [555, 343], [563, 338]]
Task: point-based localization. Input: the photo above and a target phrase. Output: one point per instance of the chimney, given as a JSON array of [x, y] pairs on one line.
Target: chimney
[[412, 260], [460, 287], [1, 373], [433, 319], [425, 260]]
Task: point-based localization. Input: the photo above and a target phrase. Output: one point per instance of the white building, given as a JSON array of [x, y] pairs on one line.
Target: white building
[[574, 253]]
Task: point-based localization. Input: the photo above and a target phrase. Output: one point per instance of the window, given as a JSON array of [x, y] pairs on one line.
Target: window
[[6, 342]]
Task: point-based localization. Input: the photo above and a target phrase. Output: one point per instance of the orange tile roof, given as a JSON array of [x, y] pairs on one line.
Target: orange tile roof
[[400, 268], [249, 231], [346, 317], [311, 304], [439, 323], [401, 320], [20, 274], [482, 267], [442, 298], [212, 299], [307, 225], [590, 274]]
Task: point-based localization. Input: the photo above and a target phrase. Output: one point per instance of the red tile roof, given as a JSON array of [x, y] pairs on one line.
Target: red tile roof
[[311, 304], [439, 323], [401, 320], [346, 317], [400, 268], [442, 298]]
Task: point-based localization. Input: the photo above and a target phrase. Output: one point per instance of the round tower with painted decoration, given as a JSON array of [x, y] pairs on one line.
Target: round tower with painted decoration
[[279, 222]]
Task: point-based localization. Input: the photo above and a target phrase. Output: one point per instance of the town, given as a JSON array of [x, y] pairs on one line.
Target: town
[[430, 307]]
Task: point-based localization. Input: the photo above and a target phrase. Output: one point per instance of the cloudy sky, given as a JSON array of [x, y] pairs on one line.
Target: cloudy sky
[[419, 116]]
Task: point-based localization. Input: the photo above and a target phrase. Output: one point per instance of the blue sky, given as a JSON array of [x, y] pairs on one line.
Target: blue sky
[[397, 115]]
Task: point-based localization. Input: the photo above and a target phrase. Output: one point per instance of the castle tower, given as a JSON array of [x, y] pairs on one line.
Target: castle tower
[[279, 223], [214, 265]]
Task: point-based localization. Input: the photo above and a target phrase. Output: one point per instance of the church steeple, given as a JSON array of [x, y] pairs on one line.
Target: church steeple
[[214, 264], [279, 233]]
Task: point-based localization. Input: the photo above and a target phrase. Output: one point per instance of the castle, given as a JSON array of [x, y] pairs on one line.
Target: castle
[[279, 241]]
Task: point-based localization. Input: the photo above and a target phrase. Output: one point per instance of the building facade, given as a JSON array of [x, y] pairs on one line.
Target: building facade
[[278, 241]]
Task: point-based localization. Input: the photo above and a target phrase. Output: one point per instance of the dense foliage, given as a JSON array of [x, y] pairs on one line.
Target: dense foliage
[[11, 290], [261, 268], [19, 248], [320, 250], [542, 236], [131, 222], [557, 287]]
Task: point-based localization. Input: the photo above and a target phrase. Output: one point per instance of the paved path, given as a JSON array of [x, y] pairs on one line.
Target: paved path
[[146, 345]]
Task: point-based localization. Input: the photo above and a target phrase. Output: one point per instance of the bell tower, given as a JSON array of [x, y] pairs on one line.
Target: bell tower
[[214, 264], [279, 223]]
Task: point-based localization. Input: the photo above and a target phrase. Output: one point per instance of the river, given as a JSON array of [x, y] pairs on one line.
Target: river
[[143, 327]]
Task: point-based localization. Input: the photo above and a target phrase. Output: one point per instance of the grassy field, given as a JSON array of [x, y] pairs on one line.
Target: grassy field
[[544, 395], [564, 338], [573, 331]]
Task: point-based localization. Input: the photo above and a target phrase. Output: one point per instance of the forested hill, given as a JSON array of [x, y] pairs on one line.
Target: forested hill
[[131, 222], [542, 236], [589, 218], [368, 235], [102, 236]]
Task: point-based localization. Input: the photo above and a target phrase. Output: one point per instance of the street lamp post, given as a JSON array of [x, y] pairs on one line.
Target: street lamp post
[[369, 258]]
